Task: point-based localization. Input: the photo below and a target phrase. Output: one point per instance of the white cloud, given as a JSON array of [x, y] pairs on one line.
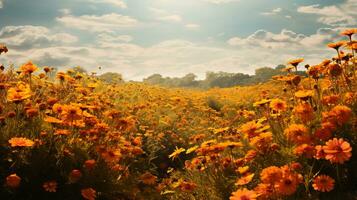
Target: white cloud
[[164, 15], [220, 1], [64, 11], [26, 37], [110, 38], [272, 12], [337, 15], [262, 38], [118, 3], [192, 26], [98, 23]]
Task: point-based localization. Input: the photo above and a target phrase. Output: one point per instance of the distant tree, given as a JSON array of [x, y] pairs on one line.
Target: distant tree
[[111, 77], [79, 69], [155, 79]]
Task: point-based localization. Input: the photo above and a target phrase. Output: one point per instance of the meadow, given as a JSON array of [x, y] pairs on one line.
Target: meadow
[[70, 135]]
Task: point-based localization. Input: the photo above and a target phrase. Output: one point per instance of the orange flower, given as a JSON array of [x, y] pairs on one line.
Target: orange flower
[[296, 62], [13, 181], [50, 186], [71, 112], [19, 93], [278, 105], [323, 183], [148, 178], [20, 142], [271, 175], [243, 194], [337, 150], [304, 94], [325, 132], [3, 49], [334, 69], [264, 190], [339, 115], [304, 150], [88, 193], [28, 68], [187, 186], [319, 154], [251, 129], [297, 133], [89, 164], [245, 179], [304, 111], [336, 45], [349, 32], [287, 185], [75, 175]]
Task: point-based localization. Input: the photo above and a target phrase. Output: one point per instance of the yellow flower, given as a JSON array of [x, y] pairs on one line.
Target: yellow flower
[[28, 68], [176, 153], [20, 142], [19, 93]]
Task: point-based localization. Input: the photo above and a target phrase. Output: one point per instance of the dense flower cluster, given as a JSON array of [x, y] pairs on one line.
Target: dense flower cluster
[[68, 135]]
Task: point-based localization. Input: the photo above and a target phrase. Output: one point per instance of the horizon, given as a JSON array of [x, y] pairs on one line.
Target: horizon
[[140, 38]]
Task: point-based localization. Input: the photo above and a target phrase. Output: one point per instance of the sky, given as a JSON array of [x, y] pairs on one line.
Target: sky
[[138, 38]]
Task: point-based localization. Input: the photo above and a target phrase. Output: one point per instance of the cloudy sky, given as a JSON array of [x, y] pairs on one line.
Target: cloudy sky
[[172, 37]]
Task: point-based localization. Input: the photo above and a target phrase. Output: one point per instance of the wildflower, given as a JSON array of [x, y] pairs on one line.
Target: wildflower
[[32, 112], [320, 154], [304, 94], [243, 170], [148, 179], [19, 93], [187, 186], [349, 32], [323, 183], [325, 131], [297, 133], [296, 62], [336, 45], [264, 191], [334, 69], [52, 120], [251, 129], [330, 100], [20, 142], [245, 179], [243, 194], [191, 149], [176, 153], [287, 185], [88, 193], [50, 186], [3, 49], [28, 68], [89, 164], [278, 105], [75, 175], [339, 115], [262, 142], [13, 181], [337, 150], [304, 150], [46, 69], [71, 112], [304, 111], [61, 76], [271, 174]]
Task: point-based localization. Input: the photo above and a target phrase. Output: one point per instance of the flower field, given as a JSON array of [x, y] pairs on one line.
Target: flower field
[[68, 135]]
